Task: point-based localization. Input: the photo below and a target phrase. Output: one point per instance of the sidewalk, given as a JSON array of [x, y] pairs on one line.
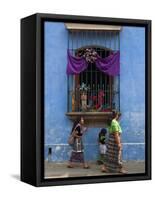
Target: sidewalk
[[60, 170]]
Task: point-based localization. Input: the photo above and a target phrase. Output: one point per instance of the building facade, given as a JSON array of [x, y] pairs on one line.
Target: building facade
[[131, 92]]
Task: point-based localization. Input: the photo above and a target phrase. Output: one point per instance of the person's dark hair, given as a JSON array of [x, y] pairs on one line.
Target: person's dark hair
[[77, 121], [103, 131], [114, 114]]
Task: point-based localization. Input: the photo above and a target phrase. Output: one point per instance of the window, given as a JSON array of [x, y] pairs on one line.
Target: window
[[93, 89], [92, 92]]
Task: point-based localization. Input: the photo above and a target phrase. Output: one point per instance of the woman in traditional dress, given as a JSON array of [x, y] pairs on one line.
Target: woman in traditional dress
[[113, 161], [77, 154]]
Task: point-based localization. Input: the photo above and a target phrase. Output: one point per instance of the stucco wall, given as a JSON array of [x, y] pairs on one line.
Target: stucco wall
[[132, 88], [58, 126]]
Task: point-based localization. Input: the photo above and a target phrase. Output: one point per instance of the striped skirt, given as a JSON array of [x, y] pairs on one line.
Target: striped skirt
[[113, 160], [77, 154]]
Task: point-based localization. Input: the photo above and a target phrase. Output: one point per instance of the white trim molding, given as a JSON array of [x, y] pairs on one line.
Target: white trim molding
[[78, 26]]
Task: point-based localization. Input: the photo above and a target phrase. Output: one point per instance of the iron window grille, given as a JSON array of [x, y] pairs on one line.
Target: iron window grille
[[83, 89]]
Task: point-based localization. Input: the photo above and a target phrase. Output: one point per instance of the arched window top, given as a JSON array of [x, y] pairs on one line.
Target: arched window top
[[100, 50], [97, 47]]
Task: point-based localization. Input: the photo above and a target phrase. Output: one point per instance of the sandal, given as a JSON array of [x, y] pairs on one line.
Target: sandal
[[123, 171], [86, 167], [104, 170]]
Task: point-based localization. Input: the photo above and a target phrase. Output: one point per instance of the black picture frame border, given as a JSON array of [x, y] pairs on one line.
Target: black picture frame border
[[32, 91]]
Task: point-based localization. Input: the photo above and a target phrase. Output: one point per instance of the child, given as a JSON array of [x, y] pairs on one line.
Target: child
[[102, 145]]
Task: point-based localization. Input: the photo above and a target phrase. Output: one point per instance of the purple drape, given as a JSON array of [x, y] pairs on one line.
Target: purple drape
[[109, 65], [75, 64]]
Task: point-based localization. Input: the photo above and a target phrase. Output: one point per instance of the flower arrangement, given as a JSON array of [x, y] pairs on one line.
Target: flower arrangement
[[84, 87], [90, 55]]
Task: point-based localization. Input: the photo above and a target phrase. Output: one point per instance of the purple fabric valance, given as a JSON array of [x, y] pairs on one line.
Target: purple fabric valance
[[109, 65]]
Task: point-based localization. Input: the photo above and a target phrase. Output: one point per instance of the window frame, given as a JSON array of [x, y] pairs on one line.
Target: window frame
[[98, 118]]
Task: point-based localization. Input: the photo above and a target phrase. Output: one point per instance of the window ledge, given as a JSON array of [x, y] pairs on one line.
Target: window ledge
[[92, 119], [100, 27]]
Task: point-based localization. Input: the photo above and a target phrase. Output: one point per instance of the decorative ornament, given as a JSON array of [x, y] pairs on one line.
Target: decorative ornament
[[84, 87], [90, 55]]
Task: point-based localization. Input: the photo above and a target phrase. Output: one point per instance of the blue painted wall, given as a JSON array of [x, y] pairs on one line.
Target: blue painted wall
[[58, 126], [132, 91]]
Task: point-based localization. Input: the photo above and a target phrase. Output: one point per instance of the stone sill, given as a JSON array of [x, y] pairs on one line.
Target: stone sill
[[92, 119]]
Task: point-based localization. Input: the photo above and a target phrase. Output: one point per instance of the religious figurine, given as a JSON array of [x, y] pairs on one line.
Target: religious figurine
[[83, 96], [101, 95], [73, 102], [83, 101]]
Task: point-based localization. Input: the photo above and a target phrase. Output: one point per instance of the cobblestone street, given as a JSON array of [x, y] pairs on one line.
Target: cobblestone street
[[59, 170]]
